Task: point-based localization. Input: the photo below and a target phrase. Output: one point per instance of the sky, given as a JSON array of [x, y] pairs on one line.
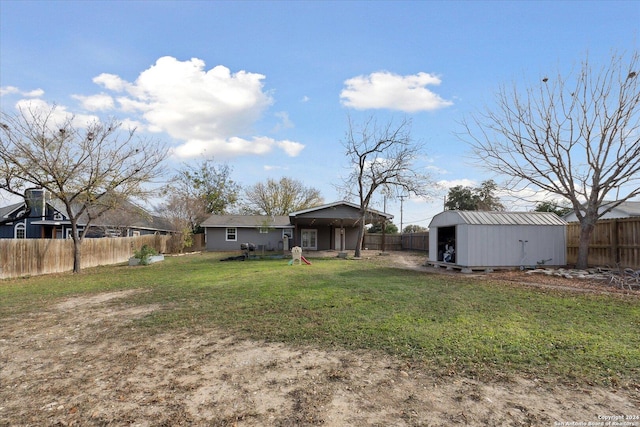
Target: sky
[[269, 88]]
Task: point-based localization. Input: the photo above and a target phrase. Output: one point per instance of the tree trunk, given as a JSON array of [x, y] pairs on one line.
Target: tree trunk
[[587, 226], [358, 251], [77, 254]]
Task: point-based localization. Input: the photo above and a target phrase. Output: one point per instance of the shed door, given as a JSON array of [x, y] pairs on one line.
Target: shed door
[[446, 238]]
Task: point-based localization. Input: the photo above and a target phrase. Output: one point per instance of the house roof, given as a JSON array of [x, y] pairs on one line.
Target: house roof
[[129, 215], [7, 210], [337, 214], [455, 217], [151, 222], [339, 203], [628, 208], [623, 210], [247, 221], [631, 208], [329, 214]]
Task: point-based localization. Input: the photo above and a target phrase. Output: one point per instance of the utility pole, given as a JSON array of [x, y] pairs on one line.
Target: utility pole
[[384, 222], [401, 201]]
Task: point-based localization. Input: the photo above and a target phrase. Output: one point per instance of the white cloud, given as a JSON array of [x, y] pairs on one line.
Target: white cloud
[[34, 93], [58, 116], [132, 124], [391, 91], [290, 147], [526, 198], [272, 168], [236, 146], [213, 111], [285, 121], [100, 102], [455, 182], [129, 105], [9, 90], [111, 82]]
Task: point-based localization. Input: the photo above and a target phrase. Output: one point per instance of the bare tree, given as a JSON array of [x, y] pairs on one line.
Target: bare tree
[[90, 170], [280, 197], [577, 137], [183, 218], [381, 158]]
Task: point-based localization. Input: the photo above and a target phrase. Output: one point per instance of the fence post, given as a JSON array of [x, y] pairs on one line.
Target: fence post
[[615, 253]]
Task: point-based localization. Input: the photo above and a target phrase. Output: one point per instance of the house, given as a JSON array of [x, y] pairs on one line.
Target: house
[[50, 221], [627, 209], [332, 226], [228, 232], [483, 239]]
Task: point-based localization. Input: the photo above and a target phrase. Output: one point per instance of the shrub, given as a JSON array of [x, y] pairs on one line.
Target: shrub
[[144, 253]]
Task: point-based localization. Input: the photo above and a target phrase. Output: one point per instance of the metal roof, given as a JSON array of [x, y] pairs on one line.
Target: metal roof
[[631, 208], [455, 217]]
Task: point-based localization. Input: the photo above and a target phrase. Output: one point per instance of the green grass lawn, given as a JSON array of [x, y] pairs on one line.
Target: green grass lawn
[[449, 324]]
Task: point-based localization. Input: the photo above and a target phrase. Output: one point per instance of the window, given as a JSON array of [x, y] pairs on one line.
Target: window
[[58, 216], [287, 232], [135, 233], [69, 233], [264, 230], [232, 234], [20, 231]]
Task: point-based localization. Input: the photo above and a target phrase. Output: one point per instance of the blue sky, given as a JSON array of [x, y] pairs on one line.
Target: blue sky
[[267, 87]]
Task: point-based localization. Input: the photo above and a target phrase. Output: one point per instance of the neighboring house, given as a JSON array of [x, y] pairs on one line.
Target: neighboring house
[[328, 227], [624, 210], [487, 239], [52, 222]]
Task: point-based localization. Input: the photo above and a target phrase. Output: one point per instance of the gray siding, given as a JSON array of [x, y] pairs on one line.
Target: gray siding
[[216, 239], [332, 212], [501, 246]]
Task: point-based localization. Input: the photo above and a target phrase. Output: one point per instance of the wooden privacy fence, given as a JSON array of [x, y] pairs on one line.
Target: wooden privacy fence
[[416, 241], [31, 257], [397, 242], [392, 242], [613, 242]]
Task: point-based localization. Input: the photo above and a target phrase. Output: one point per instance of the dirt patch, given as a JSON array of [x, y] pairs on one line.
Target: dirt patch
[[81, 363], [417, 261]]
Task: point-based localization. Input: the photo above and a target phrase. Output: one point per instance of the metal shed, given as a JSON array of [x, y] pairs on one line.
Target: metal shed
[[499, 239]]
